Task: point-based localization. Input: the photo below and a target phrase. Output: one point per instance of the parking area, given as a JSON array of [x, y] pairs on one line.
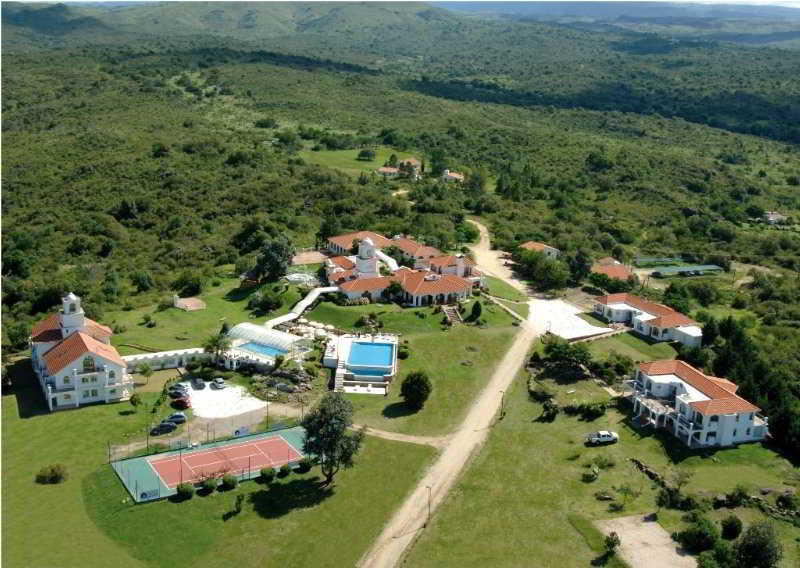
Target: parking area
[[643, 542], [561, 318], [222, 403]]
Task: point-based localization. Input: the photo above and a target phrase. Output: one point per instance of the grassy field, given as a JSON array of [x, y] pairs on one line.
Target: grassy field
[[521, 309], [176, 329], [593, 320], [633, 346], [292, 523], [347, 162], [501, 289], [523, 495], [459, 362]]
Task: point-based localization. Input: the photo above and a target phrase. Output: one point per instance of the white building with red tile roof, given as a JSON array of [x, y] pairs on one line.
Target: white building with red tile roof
[[74, 360], [698, 409], [448, 176], [420, 287], [545, 249], [656, 321]]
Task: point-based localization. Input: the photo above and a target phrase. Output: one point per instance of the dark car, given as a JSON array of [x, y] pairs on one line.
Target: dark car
[[176, 417], [182, 402], [198, 383], [163, 428], [177, 393]]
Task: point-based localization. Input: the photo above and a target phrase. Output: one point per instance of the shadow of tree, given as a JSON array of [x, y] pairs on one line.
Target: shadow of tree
[[398, 410], [126, 412], [25, 387], [282, 498], [601, 560]]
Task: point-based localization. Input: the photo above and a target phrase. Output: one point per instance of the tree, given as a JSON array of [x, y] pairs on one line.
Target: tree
[[758, 547], [394, 290], [135, 400], [367, 155], [611, 543], [275, 258], [477, 310], [143, 280], [327, 435], [476, 182], [416, 389], [701, 535], [330, 227], [731, 527], [392, 162], [567, 354], [145, 370], [224, 329], [217, 345]]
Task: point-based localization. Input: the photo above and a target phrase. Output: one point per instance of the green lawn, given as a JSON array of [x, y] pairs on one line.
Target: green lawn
[[459, 362], [593, 320], [523, 495], [633, 346], [177, 329], [501, 289], [346, 160], [520, 309], [290, 524]]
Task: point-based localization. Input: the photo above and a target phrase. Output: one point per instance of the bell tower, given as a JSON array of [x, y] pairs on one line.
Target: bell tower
[[366, 261], [72, 316]]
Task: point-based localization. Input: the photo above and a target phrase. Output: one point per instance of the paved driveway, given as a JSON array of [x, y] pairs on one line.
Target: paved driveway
[[560, 318], [643, 542]]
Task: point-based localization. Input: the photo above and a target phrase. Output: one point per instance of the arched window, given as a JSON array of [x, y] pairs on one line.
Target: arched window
[[72, 308], [88, 364]]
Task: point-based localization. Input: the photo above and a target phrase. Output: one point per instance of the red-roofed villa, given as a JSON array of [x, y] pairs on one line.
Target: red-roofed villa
[[74, 360], [698, 409]]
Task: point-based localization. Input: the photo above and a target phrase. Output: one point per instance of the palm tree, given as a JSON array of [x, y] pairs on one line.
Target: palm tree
[[217, 344]]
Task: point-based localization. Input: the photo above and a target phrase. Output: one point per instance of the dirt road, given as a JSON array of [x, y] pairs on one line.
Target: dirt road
[[490, 262], [430, 492]]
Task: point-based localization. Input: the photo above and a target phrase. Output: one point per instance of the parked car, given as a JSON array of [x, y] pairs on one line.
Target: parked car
[[602, 437], [163, 428], [218, 383], [177, 393], [176, 417], [179, 387], [198, 383], [182, 402]]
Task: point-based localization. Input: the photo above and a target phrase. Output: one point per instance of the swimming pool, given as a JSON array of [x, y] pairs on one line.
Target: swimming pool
[[369, 372], [267, 350], [371, 354]]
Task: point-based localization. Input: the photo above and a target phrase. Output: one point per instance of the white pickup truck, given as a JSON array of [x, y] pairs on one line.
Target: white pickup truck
[[602, 437]]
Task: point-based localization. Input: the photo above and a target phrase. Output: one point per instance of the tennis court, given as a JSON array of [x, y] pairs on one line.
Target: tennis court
[[157, 476]]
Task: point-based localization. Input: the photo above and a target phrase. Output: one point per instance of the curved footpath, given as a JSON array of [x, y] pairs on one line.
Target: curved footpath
[[405, 524]]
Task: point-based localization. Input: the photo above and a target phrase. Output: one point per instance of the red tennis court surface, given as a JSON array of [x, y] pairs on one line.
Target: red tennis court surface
[[237, 459]]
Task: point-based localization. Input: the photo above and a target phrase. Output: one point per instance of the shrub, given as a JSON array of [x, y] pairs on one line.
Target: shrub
[[788, 501], [403, 352], [758, 547], [284, 470], [701, 535], [611, 543], [229, 481], [737, 496], [604, 462], [731, 527], [267, 474], [591, 475], [52, 474], [185, 491], [210, 484], [304, 465]]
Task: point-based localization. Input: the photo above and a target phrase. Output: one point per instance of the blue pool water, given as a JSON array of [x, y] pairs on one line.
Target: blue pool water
[[262, 349], [368, 372], [372, 354]]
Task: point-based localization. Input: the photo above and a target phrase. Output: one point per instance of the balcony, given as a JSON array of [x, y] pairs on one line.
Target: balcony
[[62, 388]]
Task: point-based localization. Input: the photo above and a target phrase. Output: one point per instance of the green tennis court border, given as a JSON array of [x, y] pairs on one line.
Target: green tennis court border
[[144, 484]]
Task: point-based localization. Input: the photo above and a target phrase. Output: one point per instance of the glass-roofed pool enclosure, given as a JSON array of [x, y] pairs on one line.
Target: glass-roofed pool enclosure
[[260, 345]]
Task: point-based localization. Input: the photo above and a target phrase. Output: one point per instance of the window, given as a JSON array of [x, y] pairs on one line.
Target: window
[[94, 378], [88, 363], [715, 419], [748, 431], [85, 394], [112, 391], [111, 374], [751, 417], [66, 380], [72, 308], [737, 418], [67, 397], [94, 392], [734, 433], [84, 379]]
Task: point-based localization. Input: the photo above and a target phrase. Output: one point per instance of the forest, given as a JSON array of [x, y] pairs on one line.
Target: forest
[[135, 162]]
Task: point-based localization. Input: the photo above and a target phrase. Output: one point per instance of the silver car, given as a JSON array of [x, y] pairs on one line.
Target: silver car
[[218, 383]]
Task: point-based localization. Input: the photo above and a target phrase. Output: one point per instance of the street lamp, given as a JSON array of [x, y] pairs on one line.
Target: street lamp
[[429, 507]]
